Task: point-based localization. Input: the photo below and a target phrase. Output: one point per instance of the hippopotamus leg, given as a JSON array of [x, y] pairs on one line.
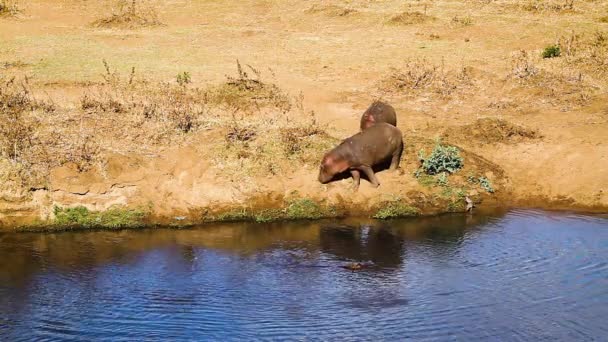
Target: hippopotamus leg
[[396, 158], [356, 179], [370, 175]]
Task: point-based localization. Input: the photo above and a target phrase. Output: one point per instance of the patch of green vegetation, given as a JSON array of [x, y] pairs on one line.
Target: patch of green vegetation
[[483, 182], [551, 51], [443, 158], [184, 78], [268, 215], [394, 209], [305, 208], [294, 209], [424, 179], [603, 19], [115, 217], [486, 184], [456, 206], [442, 179], [234, 215]]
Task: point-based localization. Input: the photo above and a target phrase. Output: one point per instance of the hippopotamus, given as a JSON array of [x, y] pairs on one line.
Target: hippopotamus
[[361, 152], [378, 112]]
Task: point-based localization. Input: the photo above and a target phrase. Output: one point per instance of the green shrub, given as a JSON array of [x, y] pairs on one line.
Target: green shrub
[[551, 51], [442, 159], [485, 184]]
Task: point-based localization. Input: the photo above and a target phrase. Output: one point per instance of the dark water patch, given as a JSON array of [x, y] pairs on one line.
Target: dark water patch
[[523, 275]]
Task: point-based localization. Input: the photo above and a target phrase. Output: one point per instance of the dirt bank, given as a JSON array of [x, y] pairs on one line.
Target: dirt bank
[[147, 110]]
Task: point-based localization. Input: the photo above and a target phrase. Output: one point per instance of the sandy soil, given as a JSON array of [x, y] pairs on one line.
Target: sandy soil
[[539, 136]]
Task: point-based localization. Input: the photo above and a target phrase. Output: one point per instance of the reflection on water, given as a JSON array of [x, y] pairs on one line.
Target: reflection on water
[[521, 275]]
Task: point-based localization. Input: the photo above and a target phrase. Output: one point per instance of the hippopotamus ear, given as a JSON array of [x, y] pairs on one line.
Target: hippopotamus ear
[[340, 165]]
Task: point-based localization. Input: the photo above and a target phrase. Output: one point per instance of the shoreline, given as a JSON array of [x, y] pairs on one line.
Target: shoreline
[[168, 223]]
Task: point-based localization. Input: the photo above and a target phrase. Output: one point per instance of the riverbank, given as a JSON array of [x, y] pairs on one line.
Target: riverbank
[[127, 122]]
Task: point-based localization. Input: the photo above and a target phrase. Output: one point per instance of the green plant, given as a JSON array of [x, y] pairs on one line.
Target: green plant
[[394, 209], [443, 158], [551, 51], [239, 214], [486, 184], [424, 179], [268, 215], [442, 179], [183, 78]]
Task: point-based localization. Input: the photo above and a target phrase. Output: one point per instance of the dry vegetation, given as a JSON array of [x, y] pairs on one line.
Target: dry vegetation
[[8, 7], [410, 18], [266, 129], [551, 6], [489, 131], [130, 14], [420, 76], [331, 10]]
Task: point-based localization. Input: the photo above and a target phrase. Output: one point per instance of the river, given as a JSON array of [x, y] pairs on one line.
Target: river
[[518, 275]]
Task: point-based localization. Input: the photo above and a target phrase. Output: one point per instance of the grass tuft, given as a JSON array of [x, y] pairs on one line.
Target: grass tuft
[[131, 14]]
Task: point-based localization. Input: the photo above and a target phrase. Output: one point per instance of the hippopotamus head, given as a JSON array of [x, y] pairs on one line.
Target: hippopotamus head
[[368, 121], [331, 165]]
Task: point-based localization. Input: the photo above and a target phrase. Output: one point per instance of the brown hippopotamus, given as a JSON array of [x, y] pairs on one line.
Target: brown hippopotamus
[[361, 152], [378, 112]]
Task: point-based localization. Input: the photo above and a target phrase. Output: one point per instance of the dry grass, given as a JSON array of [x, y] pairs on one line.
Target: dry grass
[[130, 14], [410, 18], [548, 6], [586, 52], [420, 75], [271, 143], [265, 129], [522, 65], [489, 130], [462, 20], [331, 10], [8, 7], [248, 92], [19, 119]]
